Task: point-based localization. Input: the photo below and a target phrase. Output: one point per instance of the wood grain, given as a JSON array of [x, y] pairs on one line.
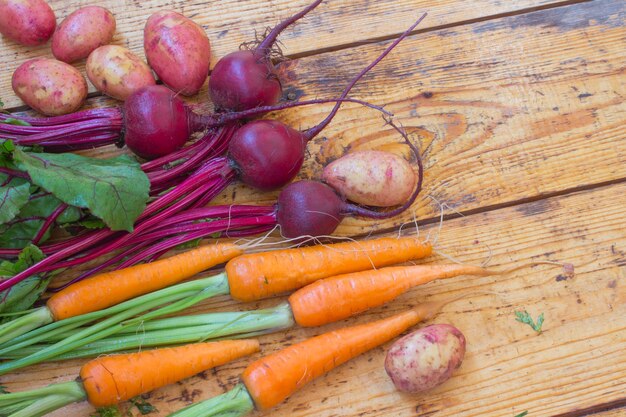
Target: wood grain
[[521, 120], [228, 23], [578, 361]]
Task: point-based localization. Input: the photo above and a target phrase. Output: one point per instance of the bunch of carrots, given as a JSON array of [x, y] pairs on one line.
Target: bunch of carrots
[[102, 315]]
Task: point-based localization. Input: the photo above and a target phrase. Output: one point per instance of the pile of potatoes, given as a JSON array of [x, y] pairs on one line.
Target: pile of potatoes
[[177, 49]]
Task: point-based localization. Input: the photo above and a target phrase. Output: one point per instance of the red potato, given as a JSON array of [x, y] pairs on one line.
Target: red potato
[[49, 86], [178, 51], [372, 178], [117, 72], [425, 358], [28, 22], [81, 32]]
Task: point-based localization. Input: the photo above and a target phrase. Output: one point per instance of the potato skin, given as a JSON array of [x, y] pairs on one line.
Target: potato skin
[[373, 178], [81, 32], [28, 22], [49, 86], [178, 50], [117, 72], [425, 358]]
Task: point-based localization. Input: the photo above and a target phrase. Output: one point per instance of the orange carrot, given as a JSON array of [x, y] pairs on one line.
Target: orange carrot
[[111, 379], [260, 275], [273, 378], [110, 288], [342, 296]]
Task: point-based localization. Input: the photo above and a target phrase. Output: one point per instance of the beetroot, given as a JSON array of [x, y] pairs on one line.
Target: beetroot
[[157, 122], [308, 208], [247, 79], [241, 81], [267, 154]]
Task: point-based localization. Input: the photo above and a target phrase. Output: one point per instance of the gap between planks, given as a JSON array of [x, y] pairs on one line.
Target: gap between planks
[[436, 28], [599, 410], [493, 207], [372, 40]]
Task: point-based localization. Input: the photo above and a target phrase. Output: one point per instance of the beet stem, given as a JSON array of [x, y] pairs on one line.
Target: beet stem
[[14, 173], [43, 264], [48, 223], [117, 258], [265, 46], [223, 118], [103, 113], [314, 131], [213, 227], [213, 145]]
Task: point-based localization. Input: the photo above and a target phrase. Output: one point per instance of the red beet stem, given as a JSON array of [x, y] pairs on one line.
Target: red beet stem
[[265, 47], [218, 226], [67, 135], [80, 130], [117, 258], [216, 212], [50, 260], [14, 173], [103, 113], [48, 223], [213, 144], [79, 143], [219, 119], [43, 131]]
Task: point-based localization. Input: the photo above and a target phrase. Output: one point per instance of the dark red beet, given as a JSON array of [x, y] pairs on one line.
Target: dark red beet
[[267, 154], [247, 79], [308, 208], [157, 122], [242, 80]]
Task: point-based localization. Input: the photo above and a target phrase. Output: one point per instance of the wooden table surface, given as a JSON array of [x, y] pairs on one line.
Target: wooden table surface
[[519, 109]]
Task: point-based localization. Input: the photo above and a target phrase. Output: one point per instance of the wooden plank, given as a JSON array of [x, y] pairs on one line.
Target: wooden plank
[[541, 113], [228, 23], [577, 362]]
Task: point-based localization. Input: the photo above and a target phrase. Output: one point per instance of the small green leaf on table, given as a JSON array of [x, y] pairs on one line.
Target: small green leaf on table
[[524, 317], [112, 411], [143, 406]]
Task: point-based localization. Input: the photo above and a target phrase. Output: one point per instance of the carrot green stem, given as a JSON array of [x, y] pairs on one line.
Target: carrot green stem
[[181, 296], [184, 329], [41, 401], [234, 403], [36, 318], [210, 287]]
